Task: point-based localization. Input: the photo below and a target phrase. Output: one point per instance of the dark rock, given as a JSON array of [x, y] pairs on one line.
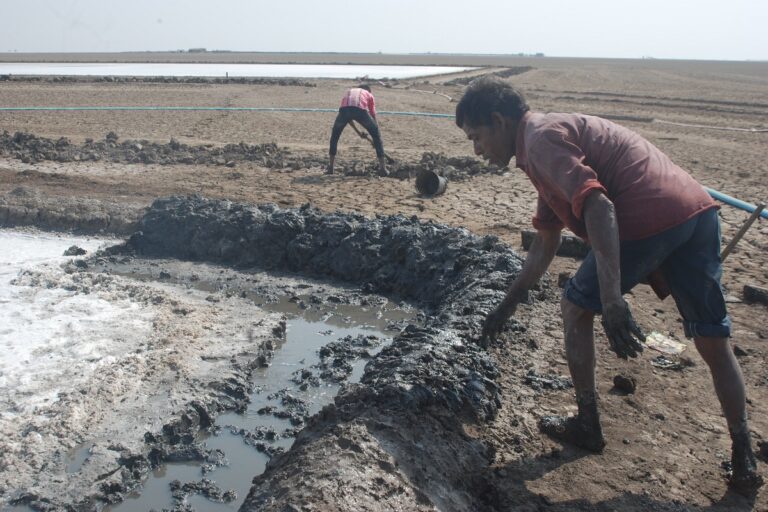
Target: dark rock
[[755, 294], [625, 383], [762, 450], [540, 382], [75, 251]]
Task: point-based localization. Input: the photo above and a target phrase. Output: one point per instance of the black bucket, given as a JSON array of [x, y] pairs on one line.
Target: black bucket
[[430, 183]]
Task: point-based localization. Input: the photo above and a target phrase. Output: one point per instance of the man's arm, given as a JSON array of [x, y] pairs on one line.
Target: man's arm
[[372, 107], [540, 255], [603, 232]]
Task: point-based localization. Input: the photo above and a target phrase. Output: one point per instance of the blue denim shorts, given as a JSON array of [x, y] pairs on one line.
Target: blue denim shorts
[[688, 257]]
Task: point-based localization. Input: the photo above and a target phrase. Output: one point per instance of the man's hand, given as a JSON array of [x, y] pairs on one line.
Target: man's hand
[[495, 321], [623, 333]]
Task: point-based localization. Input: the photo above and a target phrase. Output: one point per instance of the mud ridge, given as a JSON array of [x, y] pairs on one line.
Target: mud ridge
[[31, 149], [398, 434], [691, 105], [26, 206], [505, 73], [660, 98]]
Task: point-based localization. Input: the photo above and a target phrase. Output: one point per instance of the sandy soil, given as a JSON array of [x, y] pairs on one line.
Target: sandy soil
[[667, 441]]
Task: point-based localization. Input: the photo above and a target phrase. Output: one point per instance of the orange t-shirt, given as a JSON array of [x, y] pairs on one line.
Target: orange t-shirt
[[567, 156]]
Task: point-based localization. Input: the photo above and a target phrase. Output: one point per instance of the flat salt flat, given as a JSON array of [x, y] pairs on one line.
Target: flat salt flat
[[223, 70], [50, 332]]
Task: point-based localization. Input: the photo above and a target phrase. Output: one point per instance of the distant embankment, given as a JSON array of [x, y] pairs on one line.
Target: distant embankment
[[216, 57]]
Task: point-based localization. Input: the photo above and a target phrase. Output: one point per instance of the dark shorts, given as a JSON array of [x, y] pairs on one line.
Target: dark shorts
[[688, 257], [347, 114]]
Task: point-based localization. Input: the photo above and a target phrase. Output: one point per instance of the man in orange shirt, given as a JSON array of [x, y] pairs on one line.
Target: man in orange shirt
[[643, 216], [358, 105]]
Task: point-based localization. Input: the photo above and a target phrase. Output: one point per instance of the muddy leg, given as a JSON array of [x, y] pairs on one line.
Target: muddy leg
[[729, 386], [584, 430], [338, 126], [383, 167]]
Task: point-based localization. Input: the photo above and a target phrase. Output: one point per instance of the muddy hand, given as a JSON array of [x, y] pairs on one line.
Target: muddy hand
[[494, 323], [623, 333]]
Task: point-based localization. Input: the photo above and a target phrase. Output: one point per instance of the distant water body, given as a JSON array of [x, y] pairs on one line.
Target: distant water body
[[223, 70]]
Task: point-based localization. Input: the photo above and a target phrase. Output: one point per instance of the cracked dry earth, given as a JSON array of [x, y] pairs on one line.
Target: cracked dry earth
[[666, 441]]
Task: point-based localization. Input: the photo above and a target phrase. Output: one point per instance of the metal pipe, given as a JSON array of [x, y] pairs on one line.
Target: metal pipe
[[738, 203]]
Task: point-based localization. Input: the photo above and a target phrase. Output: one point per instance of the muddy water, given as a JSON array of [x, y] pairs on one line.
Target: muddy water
[[307, 331]]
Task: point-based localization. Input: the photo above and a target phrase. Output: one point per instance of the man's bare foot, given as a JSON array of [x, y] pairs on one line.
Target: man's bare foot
[[743, 476], [383, 171], [573, 431]]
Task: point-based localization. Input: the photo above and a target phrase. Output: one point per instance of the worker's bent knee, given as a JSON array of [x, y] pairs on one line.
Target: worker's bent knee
[[572, 312], [713, 350]]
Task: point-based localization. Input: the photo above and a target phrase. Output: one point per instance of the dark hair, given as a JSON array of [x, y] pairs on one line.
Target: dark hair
[[486, 95], [364, 86]]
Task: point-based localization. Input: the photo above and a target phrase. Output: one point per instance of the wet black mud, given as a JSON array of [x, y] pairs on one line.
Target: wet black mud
[[398, 437], [424, 385]]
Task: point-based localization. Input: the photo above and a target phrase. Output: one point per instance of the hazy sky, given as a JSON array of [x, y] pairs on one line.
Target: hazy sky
[[678, 29]]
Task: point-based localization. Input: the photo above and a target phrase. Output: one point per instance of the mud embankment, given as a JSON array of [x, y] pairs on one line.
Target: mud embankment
[[30, 148], [396, 440], [26, 206]]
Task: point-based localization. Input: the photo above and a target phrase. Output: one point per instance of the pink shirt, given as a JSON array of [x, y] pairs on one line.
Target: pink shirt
[[567, 156], [359, 98]]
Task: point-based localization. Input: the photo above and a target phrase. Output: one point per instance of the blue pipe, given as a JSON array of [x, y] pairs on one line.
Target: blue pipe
[[735, 202]]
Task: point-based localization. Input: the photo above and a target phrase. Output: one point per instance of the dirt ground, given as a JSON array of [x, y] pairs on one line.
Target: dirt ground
[[666, 442]]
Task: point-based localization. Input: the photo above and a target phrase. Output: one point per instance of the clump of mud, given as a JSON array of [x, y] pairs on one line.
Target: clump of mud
[[453, 168], [29, 148]]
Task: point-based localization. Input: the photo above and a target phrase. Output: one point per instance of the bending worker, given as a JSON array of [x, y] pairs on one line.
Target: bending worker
[[645, 218], [358, 105]]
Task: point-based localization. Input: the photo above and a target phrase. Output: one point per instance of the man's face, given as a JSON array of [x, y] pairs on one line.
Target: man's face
[[494, 142]]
